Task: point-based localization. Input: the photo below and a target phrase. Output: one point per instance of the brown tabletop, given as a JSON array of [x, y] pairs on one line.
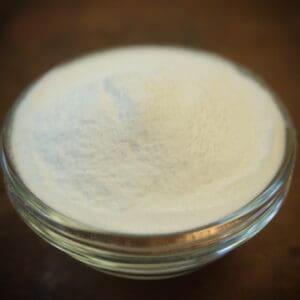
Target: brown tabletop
[[263, 35]]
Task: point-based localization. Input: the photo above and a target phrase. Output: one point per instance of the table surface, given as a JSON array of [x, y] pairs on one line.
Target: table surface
[[263, 35]]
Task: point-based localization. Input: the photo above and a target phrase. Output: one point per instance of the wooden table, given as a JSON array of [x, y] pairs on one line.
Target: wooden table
[[263, 35]]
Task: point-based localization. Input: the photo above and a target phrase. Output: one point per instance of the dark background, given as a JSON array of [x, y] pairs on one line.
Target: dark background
[[263, 35]]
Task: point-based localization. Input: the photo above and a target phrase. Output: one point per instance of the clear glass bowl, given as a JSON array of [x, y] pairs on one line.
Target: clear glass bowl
[[148, 256]]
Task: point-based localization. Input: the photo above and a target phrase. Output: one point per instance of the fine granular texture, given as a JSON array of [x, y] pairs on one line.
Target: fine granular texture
[[147, 139]]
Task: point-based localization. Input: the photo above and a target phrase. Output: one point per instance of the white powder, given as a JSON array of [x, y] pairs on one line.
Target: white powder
[[147, 139]]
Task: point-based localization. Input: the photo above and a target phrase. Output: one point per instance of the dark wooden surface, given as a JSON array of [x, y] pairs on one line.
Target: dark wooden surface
[[263, 35]]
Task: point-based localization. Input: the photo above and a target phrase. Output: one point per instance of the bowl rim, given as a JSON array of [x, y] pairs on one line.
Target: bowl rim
[[60, 219]]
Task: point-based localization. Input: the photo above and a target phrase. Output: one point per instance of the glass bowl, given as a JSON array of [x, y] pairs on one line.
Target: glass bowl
[[148, 256]]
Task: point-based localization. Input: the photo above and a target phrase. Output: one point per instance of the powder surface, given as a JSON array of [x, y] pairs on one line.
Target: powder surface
[[147, 139]]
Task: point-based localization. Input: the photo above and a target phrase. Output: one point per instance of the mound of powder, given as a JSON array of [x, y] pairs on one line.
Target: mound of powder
[[147, 139]]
